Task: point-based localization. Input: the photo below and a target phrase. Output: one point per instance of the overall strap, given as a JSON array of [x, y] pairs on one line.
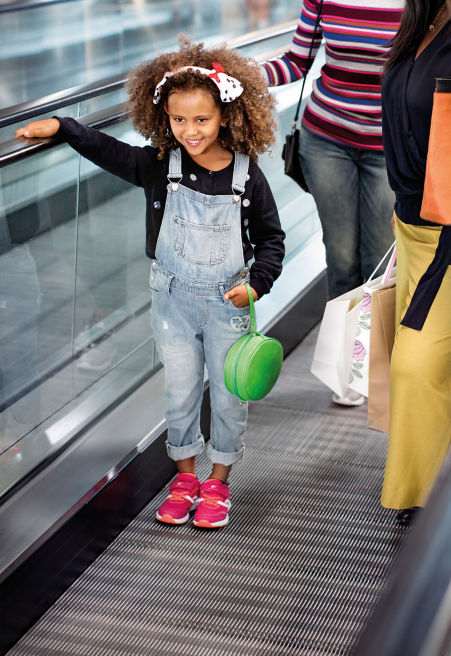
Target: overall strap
[[240, 169], [175, 165]]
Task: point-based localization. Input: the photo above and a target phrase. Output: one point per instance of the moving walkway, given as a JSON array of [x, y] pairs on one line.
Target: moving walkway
[[83, 435]]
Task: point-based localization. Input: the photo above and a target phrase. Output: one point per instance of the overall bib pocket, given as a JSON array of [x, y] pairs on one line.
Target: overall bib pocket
[[201, 244]]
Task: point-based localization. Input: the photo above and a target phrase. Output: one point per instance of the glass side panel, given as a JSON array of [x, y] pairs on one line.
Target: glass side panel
[[75, 331], [111, 318], [37, 264], [44, 49]]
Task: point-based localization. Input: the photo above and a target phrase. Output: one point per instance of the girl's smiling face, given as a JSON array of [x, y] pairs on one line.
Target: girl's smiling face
[[195, 120]]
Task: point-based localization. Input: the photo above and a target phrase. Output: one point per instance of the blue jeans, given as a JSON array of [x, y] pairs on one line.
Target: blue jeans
[[193, 326], [355, 206]]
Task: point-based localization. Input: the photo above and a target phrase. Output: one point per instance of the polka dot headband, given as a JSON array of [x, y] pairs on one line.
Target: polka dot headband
[[229, 87]]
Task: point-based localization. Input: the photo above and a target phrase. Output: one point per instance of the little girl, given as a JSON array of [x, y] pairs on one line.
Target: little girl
[[208, 114]]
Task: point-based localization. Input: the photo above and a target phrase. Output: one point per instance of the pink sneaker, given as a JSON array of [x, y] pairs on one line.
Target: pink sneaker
[[214, 504], [183, 497]]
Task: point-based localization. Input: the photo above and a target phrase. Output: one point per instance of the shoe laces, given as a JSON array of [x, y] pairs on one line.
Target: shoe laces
[[179, 492], [212, 498]]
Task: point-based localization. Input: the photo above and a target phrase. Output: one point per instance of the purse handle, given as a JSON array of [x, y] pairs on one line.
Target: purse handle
[[251, 308], [296, 116]]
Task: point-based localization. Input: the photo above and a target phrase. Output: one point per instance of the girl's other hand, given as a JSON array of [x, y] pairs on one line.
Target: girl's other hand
[[46, 128], [239, 297]]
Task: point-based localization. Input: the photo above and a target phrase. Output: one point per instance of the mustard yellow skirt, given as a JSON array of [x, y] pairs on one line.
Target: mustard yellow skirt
[[420, 385]]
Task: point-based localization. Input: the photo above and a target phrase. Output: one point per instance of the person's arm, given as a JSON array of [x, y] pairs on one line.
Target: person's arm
[[296, 63], [132, 163], [266, 236]]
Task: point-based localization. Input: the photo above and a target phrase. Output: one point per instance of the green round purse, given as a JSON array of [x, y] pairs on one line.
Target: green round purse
[[252, 365]]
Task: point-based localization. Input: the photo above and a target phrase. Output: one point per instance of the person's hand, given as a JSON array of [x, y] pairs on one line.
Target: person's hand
[[393, 225], [239, 296], [46, 128]]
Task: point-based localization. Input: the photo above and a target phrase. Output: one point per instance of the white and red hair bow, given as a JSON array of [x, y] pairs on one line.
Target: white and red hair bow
[[229, 87]]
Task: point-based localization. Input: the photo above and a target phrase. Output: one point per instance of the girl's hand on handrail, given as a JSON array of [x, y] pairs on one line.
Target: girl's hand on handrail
[[45, 128]]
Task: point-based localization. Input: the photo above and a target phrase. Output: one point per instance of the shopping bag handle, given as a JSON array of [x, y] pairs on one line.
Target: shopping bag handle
[[390, 265]]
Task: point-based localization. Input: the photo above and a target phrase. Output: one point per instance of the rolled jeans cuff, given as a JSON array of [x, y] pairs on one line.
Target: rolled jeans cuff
[[187, 451], [222, 458]]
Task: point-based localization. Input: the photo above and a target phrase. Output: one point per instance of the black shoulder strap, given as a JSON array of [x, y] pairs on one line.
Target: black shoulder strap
[[296, 116]]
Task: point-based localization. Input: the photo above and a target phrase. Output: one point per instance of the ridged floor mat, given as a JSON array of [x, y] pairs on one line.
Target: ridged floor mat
[[297, 571]]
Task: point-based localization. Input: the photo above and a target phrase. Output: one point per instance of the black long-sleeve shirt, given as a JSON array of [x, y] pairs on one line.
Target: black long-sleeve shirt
[[262, 235]]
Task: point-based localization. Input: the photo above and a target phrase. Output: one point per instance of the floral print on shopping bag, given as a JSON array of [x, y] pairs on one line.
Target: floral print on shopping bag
[[360, 357]]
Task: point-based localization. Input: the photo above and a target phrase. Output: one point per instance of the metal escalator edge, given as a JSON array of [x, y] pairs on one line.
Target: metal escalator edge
[[413, 616]]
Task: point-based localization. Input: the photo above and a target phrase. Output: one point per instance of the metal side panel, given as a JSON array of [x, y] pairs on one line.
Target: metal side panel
[[57, 492]]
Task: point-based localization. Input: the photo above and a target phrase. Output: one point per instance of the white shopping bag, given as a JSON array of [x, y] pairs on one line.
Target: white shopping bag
[[333, 355], [359, 373]]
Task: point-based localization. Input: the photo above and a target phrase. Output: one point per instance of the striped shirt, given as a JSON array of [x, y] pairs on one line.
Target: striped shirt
[[345, 105]]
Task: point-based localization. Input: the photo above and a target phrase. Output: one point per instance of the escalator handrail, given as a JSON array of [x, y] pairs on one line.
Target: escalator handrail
[[33, 108], [14, 150], [17, 149], [21, 5], [46, 104]]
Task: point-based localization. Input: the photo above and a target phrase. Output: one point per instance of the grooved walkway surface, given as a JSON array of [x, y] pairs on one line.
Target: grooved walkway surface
[[296, 572]]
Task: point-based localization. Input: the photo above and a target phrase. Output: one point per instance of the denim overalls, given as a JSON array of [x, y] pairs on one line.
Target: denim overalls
[[199, 257]]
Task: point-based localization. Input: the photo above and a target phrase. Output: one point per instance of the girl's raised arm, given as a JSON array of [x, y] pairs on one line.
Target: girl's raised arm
[[46, 128]]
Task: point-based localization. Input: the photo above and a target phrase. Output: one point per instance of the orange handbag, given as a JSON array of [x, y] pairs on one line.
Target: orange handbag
[[436, 205]]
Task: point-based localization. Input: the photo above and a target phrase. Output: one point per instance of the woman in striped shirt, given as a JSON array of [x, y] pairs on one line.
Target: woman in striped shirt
[[341, 134]]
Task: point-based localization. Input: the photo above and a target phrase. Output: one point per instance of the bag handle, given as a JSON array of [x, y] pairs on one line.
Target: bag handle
[[296, 116], [251, 308], [390, 264]]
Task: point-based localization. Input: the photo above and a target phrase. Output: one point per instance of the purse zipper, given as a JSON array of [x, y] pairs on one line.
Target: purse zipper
[[236, 365]]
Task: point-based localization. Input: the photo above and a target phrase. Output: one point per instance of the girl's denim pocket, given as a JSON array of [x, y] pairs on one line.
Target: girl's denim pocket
[[160, 279]]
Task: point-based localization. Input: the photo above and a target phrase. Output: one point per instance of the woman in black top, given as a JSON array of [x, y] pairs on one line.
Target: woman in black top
[[420, 389]]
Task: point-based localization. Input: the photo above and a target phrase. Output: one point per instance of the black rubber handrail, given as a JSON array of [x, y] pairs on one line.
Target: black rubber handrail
[[15, 150], [46, 104], [39, 106], [21, 5]]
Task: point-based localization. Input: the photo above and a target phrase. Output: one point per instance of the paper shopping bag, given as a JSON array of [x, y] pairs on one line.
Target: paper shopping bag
[[334, 349], [334, 346], [382, 339], [359, 373]]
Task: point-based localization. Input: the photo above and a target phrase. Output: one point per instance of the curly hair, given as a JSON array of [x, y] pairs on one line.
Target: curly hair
[[249, 118]]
